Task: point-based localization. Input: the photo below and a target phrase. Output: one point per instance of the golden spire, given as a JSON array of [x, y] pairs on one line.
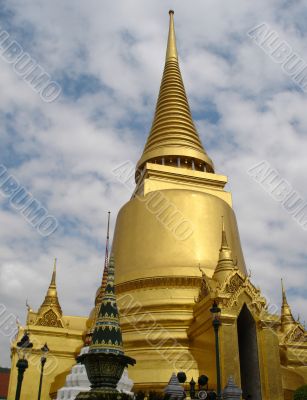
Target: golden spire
[[51, 299], [224, 244], [173, 137], [225, 263], [53, 278], [286, 319], [171, 51]]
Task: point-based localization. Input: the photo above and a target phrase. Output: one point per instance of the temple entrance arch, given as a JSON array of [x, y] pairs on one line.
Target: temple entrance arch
[[248, 354]]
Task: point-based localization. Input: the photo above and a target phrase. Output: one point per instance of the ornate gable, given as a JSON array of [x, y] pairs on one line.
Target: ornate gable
[[50, 318], [234, 286], [296, 334]]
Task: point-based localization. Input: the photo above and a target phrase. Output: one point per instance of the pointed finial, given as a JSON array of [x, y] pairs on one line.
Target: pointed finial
[[106, 257], [106, 262], [108, 229], [224, 243], [286, 318], [53, 278], [28, 306], [225, 263], [284, 298], [171, 51], [283, 292], [101, 289]]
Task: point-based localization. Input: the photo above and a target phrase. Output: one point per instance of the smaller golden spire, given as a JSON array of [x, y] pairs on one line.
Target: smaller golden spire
[[53, 279], [171, 51], [286, 319], [225, 263], [51, 299], [224, 238], [284, 298]]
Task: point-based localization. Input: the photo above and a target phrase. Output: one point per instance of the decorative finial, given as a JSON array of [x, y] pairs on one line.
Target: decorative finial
[[28, 306], [171, 51], [106, 261], [224, 243], [286, 318], [53, 278], [106, 257], [283, 292], [102, 288], [225, 263], [284, 298], [108, 228]]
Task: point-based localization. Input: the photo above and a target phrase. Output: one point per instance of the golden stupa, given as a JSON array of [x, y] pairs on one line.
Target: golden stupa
[[168, 233], [177, 249]]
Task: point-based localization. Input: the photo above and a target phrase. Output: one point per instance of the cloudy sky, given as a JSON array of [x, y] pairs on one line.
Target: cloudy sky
[[108, 59]]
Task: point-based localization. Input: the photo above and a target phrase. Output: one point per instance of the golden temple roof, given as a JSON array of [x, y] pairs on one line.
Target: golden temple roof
[[51, 298], [173, 134]]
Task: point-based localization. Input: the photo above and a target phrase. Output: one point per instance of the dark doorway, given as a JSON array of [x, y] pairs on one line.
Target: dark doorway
[[248, 351]]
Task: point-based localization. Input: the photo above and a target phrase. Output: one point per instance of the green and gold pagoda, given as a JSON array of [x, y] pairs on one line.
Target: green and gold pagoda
[[106, 361]]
